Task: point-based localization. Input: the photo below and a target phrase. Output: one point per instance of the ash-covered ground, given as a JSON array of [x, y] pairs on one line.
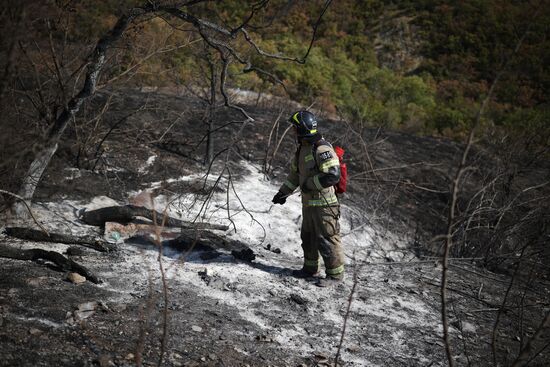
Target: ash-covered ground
[[222, 311]]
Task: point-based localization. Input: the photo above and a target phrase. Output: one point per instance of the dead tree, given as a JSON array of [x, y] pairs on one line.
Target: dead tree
[[97, 60], [217, 37]]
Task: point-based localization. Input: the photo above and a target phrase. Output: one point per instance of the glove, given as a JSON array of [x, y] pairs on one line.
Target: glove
[[279, 198]]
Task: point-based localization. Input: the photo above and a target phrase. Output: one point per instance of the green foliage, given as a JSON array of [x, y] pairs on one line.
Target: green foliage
[[390, 99], [533, 118], [529, 129], [463, 45]]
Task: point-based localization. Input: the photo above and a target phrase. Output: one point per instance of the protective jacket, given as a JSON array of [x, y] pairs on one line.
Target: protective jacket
[[315, 168]]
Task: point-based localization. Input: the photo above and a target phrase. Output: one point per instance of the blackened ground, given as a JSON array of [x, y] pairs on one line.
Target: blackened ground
[[36, 303], [406, 197]]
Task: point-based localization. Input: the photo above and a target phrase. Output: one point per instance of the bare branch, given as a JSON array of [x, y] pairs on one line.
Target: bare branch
[[301, 60], [144, 59], [267, 162], [244, 207], [28, 208], [224, 93], [255, 8], [97, 61]]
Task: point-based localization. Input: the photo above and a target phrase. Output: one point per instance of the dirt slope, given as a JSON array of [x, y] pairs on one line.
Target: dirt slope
[[225, 312]]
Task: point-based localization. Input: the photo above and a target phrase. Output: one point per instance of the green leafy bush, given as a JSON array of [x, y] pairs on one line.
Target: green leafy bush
[[462, 46]]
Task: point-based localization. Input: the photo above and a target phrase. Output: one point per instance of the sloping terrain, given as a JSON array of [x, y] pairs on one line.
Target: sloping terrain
[[217, 310]]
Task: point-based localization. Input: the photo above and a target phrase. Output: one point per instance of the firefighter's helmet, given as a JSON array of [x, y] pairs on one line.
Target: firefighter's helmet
[[305, 122]]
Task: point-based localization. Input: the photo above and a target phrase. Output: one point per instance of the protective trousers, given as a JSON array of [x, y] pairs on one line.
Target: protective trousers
[[320, 234]]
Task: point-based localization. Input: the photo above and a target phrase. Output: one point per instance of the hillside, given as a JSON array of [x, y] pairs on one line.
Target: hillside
[[419, 66], [142, 143], [223, 311]]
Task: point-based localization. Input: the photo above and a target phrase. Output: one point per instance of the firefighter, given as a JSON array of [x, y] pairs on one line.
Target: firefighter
[[315, 169]]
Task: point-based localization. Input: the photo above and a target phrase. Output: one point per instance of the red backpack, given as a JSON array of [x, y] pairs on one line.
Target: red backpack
[[340, 187]]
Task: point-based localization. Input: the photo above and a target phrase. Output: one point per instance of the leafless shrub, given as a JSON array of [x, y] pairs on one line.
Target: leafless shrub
[[487, 210]]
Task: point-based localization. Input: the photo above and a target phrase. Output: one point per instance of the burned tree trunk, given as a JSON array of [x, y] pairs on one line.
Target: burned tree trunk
[[39, 236], [63, 263], [125, 214], [34, 174]]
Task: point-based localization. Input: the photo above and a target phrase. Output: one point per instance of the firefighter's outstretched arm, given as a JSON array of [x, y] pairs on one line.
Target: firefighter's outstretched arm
[[288, 187]]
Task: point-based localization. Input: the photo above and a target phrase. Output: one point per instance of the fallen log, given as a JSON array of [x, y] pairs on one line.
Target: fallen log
[[36, 235], [63, 263], [127, 213], [190, 240], [182, 239]]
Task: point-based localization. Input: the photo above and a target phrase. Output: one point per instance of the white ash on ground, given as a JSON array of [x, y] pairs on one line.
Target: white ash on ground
[[238, 312]]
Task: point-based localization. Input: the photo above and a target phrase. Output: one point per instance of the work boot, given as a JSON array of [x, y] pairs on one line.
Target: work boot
[[304, 273], [330, 281]]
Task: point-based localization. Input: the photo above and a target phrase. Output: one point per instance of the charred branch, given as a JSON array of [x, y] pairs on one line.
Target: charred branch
[[39, 236], [63, 263]]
